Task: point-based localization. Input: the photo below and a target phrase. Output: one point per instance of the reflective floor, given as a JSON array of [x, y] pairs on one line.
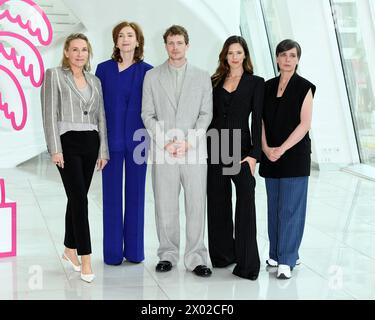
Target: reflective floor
[[337, 253]]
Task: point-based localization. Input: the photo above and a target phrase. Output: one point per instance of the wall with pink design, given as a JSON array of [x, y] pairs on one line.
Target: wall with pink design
[[25, 30], [7, 224], [29, 45]]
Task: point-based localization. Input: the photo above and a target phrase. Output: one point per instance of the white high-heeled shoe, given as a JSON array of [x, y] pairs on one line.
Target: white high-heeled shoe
[[66, 258], [87, 277]]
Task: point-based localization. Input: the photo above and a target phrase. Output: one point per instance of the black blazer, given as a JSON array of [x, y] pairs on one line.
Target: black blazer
[[246, 100]]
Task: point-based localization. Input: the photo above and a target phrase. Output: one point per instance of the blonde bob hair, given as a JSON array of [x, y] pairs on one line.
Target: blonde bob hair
[[74, 36]]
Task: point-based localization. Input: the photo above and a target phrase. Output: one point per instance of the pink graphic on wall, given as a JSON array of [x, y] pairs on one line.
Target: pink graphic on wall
[[42, 24], [6, 108], [8, 225], [23, 55]]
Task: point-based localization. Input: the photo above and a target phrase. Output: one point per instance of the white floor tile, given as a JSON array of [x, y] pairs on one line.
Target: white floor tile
[[337, 252], [90, 292]]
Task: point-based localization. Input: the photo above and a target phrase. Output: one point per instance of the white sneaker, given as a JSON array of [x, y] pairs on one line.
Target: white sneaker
[[272, 263], [283, 272]]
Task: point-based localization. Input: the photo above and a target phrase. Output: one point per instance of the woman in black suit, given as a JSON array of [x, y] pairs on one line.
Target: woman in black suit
[[237, 93]]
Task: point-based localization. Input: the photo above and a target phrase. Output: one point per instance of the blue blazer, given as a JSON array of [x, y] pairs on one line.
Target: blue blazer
[[122, 119]]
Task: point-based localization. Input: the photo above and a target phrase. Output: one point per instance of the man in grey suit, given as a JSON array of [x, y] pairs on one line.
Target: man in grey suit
[[176, 111]]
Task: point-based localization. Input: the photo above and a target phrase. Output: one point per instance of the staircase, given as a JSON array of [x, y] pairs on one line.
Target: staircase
[[63, 21]]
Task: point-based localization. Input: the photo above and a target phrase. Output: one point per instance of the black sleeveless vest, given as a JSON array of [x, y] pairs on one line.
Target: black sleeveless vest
[[281, 117]]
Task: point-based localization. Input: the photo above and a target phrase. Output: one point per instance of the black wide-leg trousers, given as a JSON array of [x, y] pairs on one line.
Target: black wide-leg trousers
[[80, 151], [225, 247]]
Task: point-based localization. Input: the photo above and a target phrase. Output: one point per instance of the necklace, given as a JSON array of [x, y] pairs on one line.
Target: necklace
[[283, 85]]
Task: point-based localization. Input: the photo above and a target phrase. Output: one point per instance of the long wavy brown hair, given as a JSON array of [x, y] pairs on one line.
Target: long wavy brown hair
[[138, 53], [223, 68]]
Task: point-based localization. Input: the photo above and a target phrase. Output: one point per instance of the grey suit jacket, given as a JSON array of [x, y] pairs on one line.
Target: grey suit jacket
[[191, 116], [62, 101]]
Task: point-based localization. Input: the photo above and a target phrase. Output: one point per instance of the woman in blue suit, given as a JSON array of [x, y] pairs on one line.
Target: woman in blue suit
[[122, 82]]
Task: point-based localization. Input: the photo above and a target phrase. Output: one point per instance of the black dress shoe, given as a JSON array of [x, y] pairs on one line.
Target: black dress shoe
[[164, 266], [202, 271], [251, 276], [223, 265]]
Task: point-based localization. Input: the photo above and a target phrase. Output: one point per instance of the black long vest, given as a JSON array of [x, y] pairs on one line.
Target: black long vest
[[281, 116]]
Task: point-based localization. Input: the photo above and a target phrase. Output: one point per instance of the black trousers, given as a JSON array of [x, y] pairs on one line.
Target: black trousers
[[223, 247], [80, 150]]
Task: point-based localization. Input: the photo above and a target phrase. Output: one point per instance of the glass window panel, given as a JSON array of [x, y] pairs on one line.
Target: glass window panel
[[354, 20], [277, 20], [253, 30]]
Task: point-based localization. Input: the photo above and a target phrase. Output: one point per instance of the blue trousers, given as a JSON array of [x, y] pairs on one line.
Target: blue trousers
[[286, 199], [123, 229]]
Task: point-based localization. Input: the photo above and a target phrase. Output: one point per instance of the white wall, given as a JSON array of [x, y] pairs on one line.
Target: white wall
[[17, 147], [208, 22]]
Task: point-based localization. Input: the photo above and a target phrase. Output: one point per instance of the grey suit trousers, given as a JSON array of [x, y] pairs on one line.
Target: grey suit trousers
[[167, 181]]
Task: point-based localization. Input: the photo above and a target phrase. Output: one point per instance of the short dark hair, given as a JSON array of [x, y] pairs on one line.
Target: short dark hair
[[176, 30], [287, 45]]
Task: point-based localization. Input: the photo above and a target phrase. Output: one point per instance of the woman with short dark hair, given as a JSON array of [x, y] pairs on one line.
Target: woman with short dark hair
[[286, 158]]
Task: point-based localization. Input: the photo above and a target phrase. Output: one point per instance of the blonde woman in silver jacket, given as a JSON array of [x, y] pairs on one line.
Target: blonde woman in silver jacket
[[76, 136]]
